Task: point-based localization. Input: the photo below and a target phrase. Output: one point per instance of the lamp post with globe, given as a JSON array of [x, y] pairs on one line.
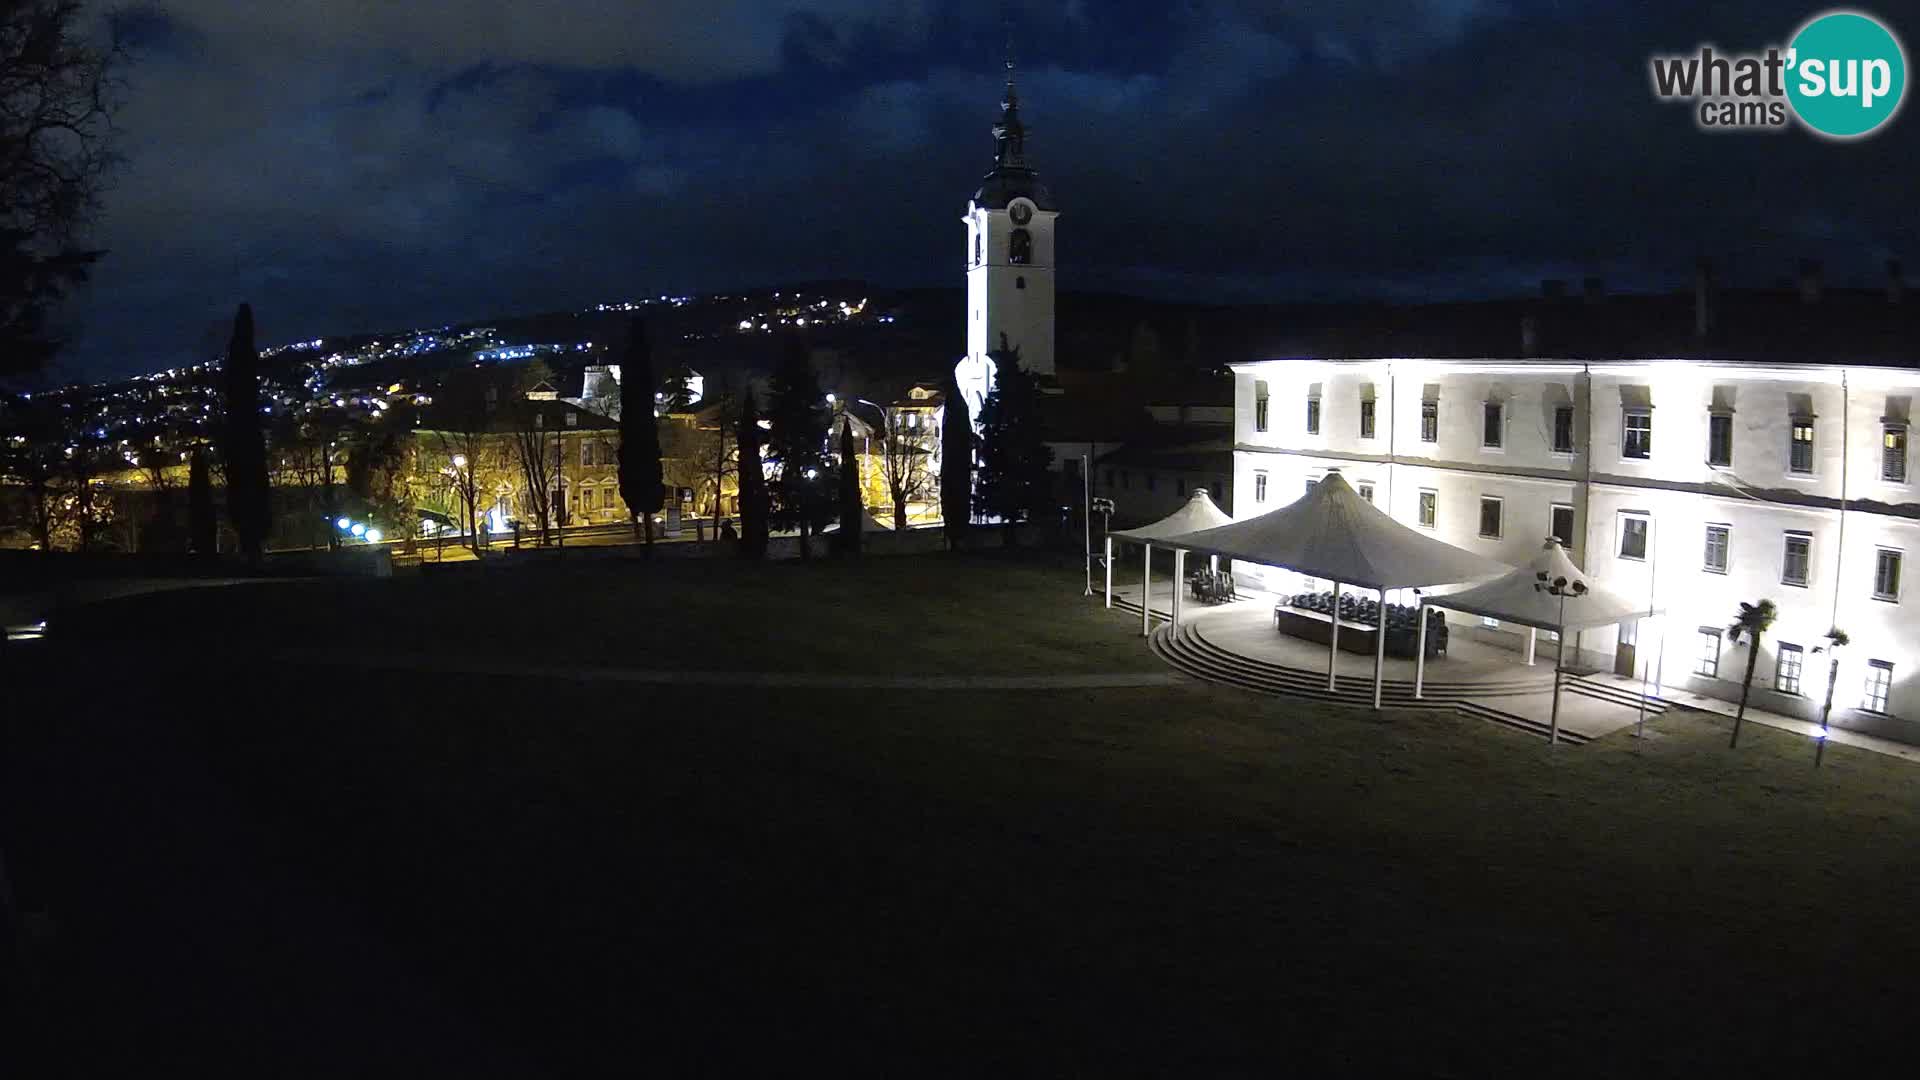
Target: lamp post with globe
[[1562, 588]]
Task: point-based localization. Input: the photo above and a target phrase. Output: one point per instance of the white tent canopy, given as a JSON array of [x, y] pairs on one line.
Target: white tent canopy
[[1199, 512], [1333, 533], [1522, 597], [1513, 598]]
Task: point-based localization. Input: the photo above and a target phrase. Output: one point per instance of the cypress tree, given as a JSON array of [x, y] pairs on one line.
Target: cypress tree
[[956, 465], [852, 511], [801, 499], [753, 481], [640, 484], [200, 522], [244, 448], [1014, 456]]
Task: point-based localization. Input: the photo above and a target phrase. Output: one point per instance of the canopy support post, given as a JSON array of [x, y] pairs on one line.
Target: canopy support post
[[1559, 657], [1379, 649], [1179, 579], [1420, 651], [1333, 639], [1146, 592], [1109, 573], [1533, 638]]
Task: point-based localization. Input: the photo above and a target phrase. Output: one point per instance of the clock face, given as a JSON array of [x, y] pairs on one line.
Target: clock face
[[1021, 212]]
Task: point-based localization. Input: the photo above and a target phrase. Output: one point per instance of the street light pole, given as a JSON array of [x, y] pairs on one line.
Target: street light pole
[[1563, 589]]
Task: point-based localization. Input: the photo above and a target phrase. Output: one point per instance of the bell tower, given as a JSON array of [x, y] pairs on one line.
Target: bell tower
[[1009, 261]]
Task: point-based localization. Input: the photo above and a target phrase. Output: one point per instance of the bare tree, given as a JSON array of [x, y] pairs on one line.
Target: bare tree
[[906, 461], [58, 91], [536, 449]]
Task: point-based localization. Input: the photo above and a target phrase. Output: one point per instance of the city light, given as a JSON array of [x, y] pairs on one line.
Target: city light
[[343, 523], [374, 536], [359, 529]]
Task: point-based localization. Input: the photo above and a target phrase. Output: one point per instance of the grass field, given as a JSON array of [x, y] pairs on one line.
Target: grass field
[[558, 876]]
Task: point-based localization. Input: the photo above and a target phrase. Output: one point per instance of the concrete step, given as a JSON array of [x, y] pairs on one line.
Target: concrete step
[[1433, 686], [1614, 695], [1188, 652]]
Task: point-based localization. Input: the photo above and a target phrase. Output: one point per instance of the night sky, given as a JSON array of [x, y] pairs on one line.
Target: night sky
[[366, 164]]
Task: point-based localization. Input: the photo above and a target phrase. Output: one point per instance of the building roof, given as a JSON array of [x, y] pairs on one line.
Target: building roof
[[1011, 177], [1864, 326]]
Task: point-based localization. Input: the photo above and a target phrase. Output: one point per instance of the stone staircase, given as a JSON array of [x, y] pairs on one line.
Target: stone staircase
[[1187, 650]]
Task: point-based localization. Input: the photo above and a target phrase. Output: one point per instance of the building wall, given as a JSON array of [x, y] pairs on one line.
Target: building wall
[[1756, 496]]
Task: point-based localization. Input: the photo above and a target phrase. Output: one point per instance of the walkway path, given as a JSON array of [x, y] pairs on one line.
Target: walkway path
[[780, 679], [1841, 736]]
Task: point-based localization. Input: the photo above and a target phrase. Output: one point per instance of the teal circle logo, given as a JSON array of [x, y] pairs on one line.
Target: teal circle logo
[[1846, 74]]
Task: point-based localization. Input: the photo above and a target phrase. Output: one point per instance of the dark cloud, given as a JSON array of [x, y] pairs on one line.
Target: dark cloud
[[359, 164]]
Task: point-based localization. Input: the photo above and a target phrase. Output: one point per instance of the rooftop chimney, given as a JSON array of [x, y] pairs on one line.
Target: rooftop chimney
[[1810, 281], [1529, 335], [1595, 289], [1896, 283], [1553, 288], [1703, 313]]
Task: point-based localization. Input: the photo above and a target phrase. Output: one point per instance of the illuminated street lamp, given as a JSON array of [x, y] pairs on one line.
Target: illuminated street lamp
[[359, 529], [1561, 588], [459, 461], [343, 523], [1837, 639]]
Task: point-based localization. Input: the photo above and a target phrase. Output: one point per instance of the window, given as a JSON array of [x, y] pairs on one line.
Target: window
[[1429, 421], [1020, 282], [606, 498], [1879, 682], [1886, 575], [1786, 670], [1259, 406], [1313, 416], [1797, 559], [573, 419], [1633, 536], [1366, 490], [1492, 425], [586, 453], [1563, 429], [1706, 652], [1020, 247], [1800, 450], [1560, 525], [1259, 487], [1638, 439], [1720, 439], [1719, 538], [1490, 508], [1429, 507], [1893, 453], [1311, 480], [1366, 419]]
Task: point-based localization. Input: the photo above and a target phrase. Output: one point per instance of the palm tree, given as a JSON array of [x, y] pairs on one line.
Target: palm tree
[[1837, 639], [1753, 621]]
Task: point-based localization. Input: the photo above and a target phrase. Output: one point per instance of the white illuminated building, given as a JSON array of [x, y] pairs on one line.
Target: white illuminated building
[[1009, 263], [1696, 484]]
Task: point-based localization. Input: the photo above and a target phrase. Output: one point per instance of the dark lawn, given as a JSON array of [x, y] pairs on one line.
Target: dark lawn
[[538, 877], [932, 615]]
